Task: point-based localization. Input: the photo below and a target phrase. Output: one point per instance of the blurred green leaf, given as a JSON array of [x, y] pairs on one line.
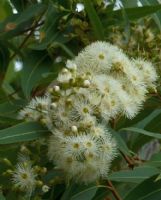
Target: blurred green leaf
[[19, 4], [86, 194], [35, 64], [141, 131], [135, 13], [49, 32], [136, 175], [129, 3], [157, 15], [149, 119], [17, 23], [155, 124], [120, 142], [101, 194], [2, 197], [155, 160], [4, 57], [5, 9], [94, 19], [10, 107], [147, 190], [26, 131]]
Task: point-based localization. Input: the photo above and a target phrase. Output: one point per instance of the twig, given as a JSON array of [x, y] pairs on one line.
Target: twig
[[30, 28], [129, 161], [28, 36], [23, 43], [113, 190]]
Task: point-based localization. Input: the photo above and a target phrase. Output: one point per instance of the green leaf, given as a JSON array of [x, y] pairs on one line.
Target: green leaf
[[155, 124], [9, 108], [120, 142], [49, 30], [68, 192], [139, 121], [155, 160], [4, 57], [147, 190], [2, 197], [19, 4], [5, 9], [94, 19], [149, 119], [136, 175], [101, 194], [22, 132], [157, 15], [136, 13], [16, 23], [129, 3], [86, 194], [36, 63], [144, 132]]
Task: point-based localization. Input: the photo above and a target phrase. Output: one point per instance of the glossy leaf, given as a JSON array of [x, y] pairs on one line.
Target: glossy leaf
[[2, 197], [49, 33], [149, 119], [4, 57], [129, 4], [134, 176], [94, 19], [19, 4], [5, 9], [157, 15], [147, 190], [86, 194], [16, 23], [36, 63], [120, 142], [26, 131], [141, 131], [9, 108], [137, 12]]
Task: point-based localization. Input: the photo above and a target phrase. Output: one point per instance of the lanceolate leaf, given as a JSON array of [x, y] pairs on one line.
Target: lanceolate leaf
[[134, 176], [129, 4], [141, 131], [147, 190], [120, 142], [16, 23], [157, 15], [5, 9], [2, 197], [149, 119], [4, 57], [22, 132], [35, 65], [137, 12], [86, 194], [94, 19]]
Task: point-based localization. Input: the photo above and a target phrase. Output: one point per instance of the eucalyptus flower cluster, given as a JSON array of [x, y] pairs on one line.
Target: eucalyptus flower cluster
[[98, 85]]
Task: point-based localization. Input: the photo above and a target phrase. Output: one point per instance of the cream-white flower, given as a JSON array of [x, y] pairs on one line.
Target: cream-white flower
[[71, 65], [24, 177], [98, 85], [64, 76], [147, 70]]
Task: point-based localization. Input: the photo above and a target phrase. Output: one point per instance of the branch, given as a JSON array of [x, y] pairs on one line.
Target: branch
[[32, 29], [113, 190], [129, 161]]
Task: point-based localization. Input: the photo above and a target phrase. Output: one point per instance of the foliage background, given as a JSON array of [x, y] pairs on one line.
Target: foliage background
[[36, 39]]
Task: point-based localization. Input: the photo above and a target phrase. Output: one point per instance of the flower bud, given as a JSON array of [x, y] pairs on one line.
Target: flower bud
[[86, 83], [45, 188], [56, 88], [74, 129]]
